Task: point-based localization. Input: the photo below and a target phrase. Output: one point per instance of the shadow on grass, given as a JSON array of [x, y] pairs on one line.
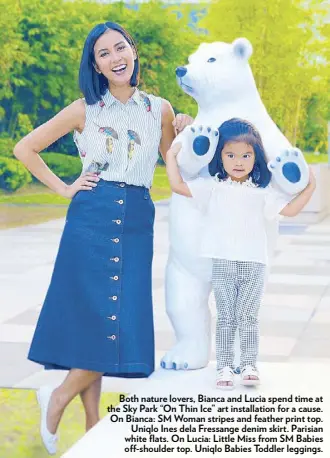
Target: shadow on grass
[[22, 215]]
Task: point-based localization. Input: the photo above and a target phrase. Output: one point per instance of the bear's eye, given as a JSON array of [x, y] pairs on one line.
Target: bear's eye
[[212, 59]]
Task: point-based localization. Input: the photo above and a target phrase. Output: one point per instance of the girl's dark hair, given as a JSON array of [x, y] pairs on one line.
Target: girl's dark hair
[[239, 130], [92, 84]]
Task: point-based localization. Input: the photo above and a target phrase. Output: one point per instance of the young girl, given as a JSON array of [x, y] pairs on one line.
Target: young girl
[[237, 201]]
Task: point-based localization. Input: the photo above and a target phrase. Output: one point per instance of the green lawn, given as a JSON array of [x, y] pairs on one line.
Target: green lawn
[[36, 204], [312, 158], [37, 194], [19, 425]]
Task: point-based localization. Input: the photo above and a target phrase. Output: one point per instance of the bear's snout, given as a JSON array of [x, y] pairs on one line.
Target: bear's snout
[[180, 71]]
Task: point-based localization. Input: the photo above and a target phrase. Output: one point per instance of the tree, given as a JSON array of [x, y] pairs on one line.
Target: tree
[[51, 37], [14, 51], [283, 34]]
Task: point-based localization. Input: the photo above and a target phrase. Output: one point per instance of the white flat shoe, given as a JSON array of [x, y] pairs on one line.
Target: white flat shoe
[[49, 440], [225, 379], [249, 371]]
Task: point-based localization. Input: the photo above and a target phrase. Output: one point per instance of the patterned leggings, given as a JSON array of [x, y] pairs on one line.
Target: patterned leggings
[[238, 288]]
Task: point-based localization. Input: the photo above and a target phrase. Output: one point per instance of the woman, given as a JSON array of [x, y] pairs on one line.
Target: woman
[[97, 316]]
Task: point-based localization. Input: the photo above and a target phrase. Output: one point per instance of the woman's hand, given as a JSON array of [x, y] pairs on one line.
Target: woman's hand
[[181, 121], [85, 182]]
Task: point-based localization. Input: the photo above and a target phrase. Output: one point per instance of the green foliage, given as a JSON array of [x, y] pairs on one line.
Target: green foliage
[[24, 125], [14, 50], [164, 43], [41, 76], [289, 51], [314, 132], [6, 146], [66, 167], [13, 174], [38, 194], [41, 45]]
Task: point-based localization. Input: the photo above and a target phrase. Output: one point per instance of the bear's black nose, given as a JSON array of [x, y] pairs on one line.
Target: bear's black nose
[[180, 71]]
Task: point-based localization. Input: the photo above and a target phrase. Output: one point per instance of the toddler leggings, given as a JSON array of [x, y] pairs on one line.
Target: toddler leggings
[[238, 288]]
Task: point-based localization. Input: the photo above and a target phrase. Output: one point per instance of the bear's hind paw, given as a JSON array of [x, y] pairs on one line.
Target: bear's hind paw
[[186, 356]]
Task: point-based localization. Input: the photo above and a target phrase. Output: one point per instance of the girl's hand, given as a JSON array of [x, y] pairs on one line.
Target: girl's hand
[[181, 121], [299, 202], [174, 150], [85, 182], [312, 180]]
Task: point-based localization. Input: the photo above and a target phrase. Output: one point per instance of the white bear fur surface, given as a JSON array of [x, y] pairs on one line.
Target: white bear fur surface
[[224, 88]]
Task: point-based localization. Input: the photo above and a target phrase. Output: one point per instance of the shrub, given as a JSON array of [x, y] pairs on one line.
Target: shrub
[[13, 174], [6, 146], [160, 160], [65, 167]]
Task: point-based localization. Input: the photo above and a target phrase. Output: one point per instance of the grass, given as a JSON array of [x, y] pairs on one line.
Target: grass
[[36, 204], [16, 216], [312, 158], [37, 194], [19, 428]]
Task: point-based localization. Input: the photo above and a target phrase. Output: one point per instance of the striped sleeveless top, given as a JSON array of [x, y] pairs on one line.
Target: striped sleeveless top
[[124, 137]]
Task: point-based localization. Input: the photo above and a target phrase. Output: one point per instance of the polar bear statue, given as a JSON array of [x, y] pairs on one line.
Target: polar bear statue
[[218, 76]]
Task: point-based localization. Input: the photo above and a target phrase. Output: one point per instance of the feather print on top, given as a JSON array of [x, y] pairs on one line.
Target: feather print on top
[[110, 134], [97, 167], [146, 101], [133, 138]]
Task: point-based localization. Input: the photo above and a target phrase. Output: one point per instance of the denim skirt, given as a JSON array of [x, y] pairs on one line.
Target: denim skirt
[[97, 313]]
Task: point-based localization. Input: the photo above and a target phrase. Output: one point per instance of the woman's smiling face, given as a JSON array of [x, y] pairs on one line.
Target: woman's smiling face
[[114, 58]]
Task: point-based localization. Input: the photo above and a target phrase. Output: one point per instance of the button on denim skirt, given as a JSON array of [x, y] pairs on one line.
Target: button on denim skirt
[[97, 314]]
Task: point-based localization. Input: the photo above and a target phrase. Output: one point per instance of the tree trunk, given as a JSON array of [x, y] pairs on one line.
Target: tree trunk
[[296, 124]]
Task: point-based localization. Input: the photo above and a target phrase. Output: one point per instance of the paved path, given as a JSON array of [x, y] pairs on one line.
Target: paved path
[[295, 317]]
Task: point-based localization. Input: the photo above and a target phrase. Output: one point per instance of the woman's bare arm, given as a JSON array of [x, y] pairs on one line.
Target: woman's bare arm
[[168, 130], [28, 148]]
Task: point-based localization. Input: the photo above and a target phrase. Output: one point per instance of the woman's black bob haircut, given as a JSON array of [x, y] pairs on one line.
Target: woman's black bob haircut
[[92, 84], [239, 130]]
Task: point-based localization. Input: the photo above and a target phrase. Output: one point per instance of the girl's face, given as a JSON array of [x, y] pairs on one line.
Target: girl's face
[[114, 57], [238, 160]]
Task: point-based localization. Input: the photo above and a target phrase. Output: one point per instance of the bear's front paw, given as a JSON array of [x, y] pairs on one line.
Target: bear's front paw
[[290, 171], [198, 147], [203, 140]]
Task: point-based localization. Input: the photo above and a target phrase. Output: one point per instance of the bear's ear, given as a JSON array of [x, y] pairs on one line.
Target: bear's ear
[[242, 48]]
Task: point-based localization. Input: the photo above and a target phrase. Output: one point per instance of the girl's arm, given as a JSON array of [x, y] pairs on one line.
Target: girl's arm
[[299, 202], [176, 182], [28, 148]]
